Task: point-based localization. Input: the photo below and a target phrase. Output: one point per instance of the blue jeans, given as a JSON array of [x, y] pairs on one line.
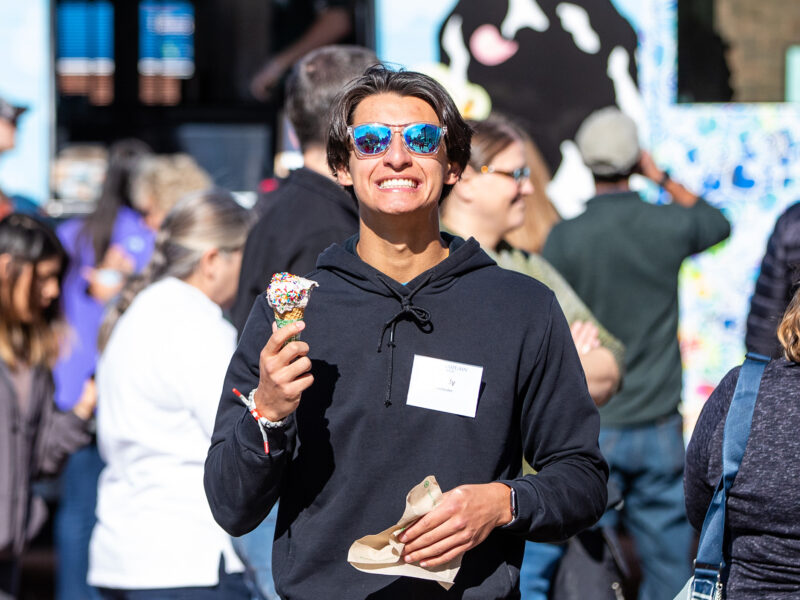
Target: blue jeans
[[646, 464], [74, 522], [537, 570], [255, 551]]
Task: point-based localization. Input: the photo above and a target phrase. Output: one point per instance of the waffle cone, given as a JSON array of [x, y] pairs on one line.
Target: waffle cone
[[295, 314]]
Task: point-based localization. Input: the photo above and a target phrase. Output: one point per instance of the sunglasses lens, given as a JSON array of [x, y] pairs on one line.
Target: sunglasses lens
[[371, 139], [522, 174], [422, 138]]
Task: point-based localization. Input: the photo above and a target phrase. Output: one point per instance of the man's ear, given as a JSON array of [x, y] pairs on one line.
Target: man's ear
[[343, 177], [453, 174]]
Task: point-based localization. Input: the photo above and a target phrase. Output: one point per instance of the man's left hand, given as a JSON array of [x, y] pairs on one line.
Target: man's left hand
[[464, 517]]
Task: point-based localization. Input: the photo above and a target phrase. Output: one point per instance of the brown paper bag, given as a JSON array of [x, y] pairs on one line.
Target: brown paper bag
[[380, 553]]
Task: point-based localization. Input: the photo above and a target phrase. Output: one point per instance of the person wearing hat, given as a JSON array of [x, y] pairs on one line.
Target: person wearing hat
[[8, 123], [622, 257], [9, 115]]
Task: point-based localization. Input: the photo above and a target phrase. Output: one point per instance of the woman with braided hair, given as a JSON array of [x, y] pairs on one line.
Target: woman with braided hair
[[166, 346]]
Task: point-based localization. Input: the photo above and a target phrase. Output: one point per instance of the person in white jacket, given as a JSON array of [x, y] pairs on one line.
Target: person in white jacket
[[167, 346]]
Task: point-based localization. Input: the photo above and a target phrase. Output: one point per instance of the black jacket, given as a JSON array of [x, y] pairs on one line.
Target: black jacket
[[306, 214], [343, 466], [776, 284]]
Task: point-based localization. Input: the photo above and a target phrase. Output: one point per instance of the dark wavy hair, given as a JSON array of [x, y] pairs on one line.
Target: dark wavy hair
[[123, 160], [28, 241], [380, 79]]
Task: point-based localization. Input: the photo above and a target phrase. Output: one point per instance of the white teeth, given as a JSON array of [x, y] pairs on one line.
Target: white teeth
[[397, 183]]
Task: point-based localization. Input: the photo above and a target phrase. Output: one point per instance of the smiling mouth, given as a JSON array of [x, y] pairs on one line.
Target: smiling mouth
[[406, 184]]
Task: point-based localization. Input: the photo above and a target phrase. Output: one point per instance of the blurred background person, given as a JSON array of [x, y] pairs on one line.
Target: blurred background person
[[104, 248], [763, 507], [540, 214], [775, 286], [161, 181], [35, 438], [487, 203], [9, 117], [167, 346], [622, 256], [301, 26], [309, 211]]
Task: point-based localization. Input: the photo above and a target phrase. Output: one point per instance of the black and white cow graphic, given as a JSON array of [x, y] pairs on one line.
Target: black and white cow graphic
[[549, 63]]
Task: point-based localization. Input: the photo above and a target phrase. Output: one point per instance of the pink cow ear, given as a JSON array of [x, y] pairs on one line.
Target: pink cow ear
[[489, 47]]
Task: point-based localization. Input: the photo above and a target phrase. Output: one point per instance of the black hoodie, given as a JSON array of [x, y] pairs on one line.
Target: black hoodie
[[354, 448]]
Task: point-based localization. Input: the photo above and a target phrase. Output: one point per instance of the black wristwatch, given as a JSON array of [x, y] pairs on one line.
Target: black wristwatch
[[664, 179]]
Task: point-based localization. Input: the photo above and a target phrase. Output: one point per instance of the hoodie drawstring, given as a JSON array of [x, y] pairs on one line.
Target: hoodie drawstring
[[409, 312]]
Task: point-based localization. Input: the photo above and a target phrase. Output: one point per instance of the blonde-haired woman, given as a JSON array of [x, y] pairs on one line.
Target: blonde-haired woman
[[161, 181], [763, 508], [166, 349]]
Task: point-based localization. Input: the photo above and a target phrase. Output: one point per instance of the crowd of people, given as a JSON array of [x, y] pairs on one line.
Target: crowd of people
[[207, 453]]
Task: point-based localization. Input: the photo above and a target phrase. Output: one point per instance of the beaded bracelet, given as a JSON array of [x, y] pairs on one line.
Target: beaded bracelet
[[263, 422]]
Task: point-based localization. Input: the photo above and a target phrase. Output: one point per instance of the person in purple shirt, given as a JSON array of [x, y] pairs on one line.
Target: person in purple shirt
[[118, 235]]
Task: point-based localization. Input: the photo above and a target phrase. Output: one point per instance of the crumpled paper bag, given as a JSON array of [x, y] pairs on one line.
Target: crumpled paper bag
[[380, 553]]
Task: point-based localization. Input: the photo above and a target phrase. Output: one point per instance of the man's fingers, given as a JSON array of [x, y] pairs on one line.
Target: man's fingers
[[299, 385], [278, 338], [423, 525], [440, 553], [294, 370], [420, 546], [292, 351]]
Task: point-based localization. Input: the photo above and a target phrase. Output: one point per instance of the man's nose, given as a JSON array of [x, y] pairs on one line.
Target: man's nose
[[397, 156]]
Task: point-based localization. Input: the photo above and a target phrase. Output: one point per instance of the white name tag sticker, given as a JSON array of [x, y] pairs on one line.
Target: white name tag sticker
[[444, 385]]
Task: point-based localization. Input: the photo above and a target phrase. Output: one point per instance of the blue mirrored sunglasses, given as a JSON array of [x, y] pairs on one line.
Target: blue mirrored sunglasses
[[518, 175], [373, 139]]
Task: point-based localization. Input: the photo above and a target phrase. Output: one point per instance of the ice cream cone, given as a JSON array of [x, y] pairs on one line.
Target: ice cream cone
[[288, 317], [288, 294]]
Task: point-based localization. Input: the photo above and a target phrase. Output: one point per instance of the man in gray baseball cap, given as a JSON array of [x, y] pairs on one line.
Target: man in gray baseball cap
[[622, 257]]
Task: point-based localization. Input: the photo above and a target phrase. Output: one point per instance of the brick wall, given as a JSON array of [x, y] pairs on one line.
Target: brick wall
[[758, 32]]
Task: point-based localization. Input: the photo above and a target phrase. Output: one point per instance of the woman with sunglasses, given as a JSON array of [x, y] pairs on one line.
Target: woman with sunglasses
[[418, 357], [487, 203], [35, 438]]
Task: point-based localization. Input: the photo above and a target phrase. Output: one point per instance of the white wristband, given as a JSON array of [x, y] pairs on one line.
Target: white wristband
[[262, 421]]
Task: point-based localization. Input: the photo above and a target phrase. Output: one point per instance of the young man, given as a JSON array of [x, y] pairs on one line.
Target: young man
[[373, 421]]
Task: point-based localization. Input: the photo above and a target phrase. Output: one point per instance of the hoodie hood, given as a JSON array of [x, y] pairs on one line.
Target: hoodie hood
[[465, 257], [343, 261]]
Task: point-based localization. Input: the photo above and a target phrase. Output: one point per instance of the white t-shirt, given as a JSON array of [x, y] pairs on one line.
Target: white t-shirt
[[159, 382]]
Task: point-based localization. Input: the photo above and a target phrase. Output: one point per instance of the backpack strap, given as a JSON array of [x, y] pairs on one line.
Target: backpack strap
[[710, 555]]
